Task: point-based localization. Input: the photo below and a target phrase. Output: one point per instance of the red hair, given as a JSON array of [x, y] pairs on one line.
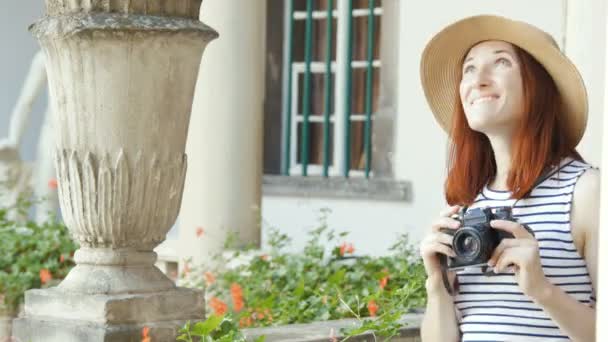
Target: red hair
[[542, 139]]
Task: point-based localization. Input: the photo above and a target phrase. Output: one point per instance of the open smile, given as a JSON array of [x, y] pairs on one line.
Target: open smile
[[484, 99]]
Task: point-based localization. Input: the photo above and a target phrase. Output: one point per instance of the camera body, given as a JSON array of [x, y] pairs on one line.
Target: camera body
[[475, 240]]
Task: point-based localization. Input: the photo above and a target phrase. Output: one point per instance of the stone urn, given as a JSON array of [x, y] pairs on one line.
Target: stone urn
[[121, 76]]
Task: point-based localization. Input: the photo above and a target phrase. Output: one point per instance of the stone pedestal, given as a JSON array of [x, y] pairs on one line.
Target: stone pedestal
[[6, 323], [121, 77], [58, 315]]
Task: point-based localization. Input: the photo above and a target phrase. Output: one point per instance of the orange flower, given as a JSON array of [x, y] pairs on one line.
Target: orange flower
[[372, 308], [199, 231], [245, 322], [264, 257], [218, 306], [53, 183], [209, 278], [61, 258], [268, 315], [260, 314], [383, 282], [45, 276], [144, 334], [236, 292], [346, 248]]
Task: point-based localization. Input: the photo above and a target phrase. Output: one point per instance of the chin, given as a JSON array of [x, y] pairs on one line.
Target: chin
[[485, 121], [480, 124]]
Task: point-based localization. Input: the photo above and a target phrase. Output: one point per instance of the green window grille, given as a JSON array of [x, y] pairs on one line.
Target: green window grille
[[329, 96]]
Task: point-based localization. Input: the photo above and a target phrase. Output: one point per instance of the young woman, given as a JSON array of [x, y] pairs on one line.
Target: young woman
[[515, 108]]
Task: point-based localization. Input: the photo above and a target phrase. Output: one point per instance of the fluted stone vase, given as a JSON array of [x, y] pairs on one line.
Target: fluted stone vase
[[121, 77]]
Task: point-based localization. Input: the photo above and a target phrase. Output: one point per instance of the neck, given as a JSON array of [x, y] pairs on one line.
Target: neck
[[502, 156]]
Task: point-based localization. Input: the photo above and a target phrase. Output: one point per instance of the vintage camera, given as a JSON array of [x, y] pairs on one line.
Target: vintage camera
[[475, 240]]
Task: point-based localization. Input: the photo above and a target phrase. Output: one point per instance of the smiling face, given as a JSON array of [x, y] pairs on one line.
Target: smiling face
[[491, 89]]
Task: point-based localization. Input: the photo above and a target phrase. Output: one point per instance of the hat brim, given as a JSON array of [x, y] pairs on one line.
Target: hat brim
[[441, 66]]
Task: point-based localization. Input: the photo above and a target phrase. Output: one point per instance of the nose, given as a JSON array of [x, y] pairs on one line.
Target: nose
[[481, 79]]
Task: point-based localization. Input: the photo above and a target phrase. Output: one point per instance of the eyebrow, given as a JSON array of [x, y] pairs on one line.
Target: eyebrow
[[495, 52]]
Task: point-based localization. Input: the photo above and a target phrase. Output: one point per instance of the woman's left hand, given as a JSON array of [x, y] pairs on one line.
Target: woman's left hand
[[522, 254]]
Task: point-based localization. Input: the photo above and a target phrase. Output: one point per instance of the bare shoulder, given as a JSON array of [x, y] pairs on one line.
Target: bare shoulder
[[585, 207], [587, 189]]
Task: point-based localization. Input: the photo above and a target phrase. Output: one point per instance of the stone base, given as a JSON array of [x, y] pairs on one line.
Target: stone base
[[6, 323], [55, 330], [53, 315]]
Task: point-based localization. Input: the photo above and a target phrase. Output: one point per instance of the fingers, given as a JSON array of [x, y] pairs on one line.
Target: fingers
[[445, 222], [437, 247], [503, 263], [515, 253], [444, 238], [431, 247], [516, 229], [449, 211], [437, 243], [502, 246], [509, 258]]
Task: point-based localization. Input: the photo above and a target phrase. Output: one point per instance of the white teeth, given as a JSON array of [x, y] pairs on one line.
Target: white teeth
[[484, 99]]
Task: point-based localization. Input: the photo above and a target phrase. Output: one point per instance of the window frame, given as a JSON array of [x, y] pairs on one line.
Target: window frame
[[383, 129]]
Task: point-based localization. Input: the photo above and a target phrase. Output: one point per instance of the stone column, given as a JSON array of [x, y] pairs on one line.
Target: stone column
[[121, 78], [223, 187]]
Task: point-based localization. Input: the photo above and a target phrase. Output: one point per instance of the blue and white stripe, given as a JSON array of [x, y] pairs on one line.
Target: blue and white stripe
[[494, 308]]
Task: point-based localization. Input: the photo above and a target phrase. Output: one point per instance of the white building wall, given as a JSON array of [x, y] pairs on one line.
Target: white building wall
[[372, 225], [585, 44], [420, 149]]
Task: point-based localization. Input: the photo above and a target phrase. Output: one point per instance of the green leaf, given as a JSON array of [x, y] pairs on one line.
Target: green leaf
[[299, 291], [184, 337], [205, 328], [337, 278]]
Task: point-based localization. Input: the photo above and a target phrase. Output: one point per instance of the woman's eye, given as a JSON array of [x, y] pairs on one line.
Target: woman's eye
[[468, 68], [503, 61]]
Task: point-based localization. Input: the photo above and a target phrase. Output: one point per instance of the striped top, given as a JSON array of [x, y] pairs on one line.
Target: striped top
[[493, 308]]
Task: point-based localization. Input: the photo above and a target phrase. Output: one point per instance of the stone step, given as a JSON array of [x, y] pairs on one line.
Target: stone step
[[321, 331]]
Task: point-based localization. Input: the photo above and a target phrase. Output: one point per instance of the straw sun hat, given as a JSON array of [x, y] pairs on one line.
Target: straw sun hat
[[441, 66]]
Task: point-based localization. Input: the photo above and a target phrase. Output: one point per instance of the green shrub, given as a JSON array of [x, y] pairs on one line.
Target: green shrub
[[32, 256], [318, 284]]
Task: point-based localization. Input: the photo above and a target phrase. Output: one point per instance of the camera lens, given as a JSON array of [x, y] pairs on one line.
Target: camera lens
[[467, 243], [470, 244]]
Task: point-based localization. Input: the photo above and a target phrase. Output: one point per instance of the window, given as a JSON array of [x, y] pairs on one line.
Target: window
[[330, 101], [329, 105]]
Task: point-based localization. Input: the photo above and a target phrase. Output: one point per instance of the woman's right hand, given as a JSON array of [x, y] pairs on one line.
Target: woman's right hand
[[437, 242]]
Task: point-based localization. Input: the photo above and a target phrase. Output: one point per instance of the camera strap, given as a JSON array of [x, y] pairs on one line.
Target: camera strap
[[443, 261]]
